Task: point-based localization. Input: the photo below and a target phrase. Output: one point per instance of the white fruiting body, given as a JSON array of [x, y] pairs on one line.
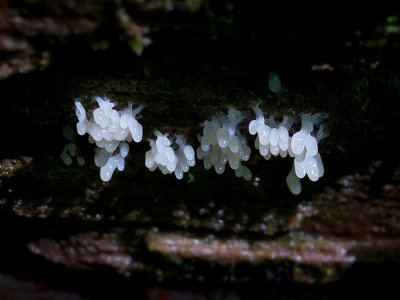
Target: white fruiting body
[[110, 130], [222, 143], [170, 155], [274, 139]]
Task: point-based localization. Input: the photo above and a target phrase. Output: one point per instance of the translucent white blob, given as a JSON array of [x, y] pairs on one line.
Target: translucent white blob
[[223, 137], [121, 164], [149, 159], [274, 150], [268, 156], [297, 142], [233, 161], [239, 171], [234, 143], [283, 133], [200, 153], [121, 134], [124, 149], [160, 144], [246, 153], [264, 134], [274, 137], [170, 166], [247, 173], [100, 117], [80, 111], [114, 127], [114, 116], [107, 170], [108, 136], [293, 182], [183, 165], [300, 157], [191, 163], [95, 131], [318, 159], [205, 147], [219, 168], [111, 146], [300, 169], [283, 153], [136, 130], [124, 121], [169, 153], [264, 149], [178, 174], [311, 145], [311, 168], [253, 127], [81, 127], [189, 152], [207, 163], [284, 145], [101, 144], [223, 158]]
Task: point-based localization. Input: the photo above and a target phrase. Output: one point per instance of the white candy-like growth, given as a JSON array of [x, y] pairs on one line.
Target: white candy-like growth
[[110, 130], [170, 155], [222, 143], [274, 139]]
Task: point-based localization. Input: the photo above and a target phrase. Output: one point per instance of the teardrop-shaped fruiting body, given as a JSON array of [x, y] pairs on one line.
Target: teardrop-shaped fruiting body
[[311, 167], [81, 127], [274, 150], [124, 149], [223, 137], [311, 145], [264, 134], [300, 169], [264, 149], [297, 142], [219, 168], [253, 127], [189, 152], [149, 159], [293, 182], [246, 153], [178, 173], [124, 121], [100, 117], [234, 143]]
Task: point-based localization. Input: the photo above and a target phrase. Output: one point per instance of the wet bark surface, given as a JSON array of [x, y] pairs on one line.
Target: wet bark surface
[[148, 234]]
